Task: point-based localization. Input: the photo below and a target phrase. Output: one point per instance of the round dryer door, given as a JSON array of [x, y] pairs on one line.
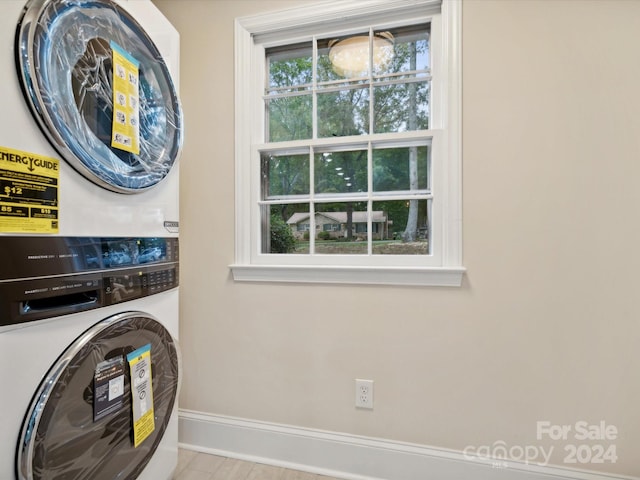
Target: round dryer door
[[100, 91], [84, 421]]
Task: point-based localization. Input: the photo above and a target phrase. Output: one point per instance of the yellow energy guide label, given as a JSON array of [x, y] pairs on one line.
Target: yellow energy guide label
[[28, 192], [141, 393]]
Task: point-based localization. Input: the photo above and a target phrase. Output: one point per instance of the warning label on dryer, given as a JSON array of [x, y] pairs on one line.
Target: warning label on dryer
[[108, 387], [28, 192]]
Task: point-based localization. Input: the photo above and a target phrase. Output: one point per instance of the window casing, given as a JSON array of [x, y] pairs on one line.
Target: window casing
[[371, 208]]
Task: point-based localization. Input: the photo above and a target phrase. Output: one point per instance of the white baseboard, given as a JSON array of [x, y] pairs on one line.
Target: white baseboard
[[351, 457]]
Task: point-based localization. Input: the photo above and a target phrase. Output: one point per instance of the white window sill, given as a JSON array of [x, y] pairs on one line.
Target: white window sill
[[406, 276]]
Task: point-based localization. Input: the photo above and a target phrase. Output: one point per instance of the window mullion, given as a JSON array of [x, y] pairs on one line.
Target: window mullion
[[356, 141], [370, 197], [312, 204], [314, 89], [371, 89], [369, 149]]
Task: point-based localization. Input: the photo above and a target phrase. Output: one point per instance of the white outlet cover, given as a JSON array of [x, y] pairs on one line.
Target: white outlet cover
[[364, 393]]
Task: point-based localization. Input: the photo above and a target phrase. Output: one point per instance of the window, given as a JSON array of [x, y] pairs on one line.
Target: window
[[349, 172]]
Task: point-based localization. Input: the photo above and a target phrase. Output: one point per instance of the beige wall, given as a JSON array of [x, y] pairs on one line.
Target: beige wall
[[546, 325]]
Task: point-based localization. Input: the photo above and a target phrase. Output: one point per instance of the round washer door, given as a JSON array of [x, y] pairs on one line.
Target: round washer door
[[61, 437], [77, 60]]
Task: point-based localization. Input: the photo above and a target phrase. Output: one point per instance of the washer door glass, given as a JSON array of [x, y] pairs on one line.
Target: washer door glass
[[62, 438], [72, 57]]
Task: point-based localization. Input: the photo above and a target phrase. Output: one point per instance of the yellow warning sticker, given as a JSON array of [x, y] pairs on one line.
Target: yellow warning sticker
[[28, 192], [126, 117], [141, 393]]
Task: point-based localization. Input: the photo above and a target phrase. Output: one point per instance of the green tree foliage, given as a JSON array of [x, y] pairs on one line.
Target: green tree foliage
[[290, 117], [282, 239]]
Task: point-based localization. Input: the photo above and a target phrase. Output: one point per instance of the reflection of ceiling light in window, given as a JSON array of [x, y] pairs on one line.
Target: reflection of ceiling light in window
[[347, 178], [350, 55], [340, 173], [338, 168], [348, 184]]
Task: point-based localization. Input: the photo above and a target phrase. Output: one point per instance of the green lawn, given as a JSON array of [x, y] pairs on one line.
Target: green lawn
[[380, 247]]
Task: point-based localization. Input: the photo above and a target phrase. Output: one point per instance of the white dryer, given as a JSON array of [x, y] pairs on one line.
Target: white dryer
[[88, 239], [70, 386]]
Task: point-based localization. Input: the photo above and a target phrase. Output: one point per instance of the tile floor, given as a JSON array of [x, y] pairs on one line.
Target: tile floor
[[201, 466]]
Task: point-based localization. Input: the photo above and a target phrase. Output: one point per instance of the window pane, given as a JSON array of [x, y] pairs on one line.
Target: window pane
[[408, 224], [289, 118], [326, 71], [289, 66], [283, 228], [284, 175], [341, 172], [289, 101], [341, 228], [400, 169], [343, 113], [411, 49], [401, 107]]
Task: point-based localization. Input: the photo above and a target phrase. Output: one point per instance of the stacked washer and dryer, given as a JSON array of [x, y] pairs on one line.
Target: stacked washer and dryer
[[90, 135]]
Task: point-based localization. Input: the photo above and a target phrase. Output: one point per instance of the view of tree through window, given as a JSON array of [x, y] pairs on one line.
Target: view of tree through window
[[346, 167]]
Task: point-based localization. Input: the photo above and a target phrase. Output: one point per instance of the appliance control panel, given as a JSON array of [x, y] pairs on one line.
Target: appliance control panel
[[131, 284], [78, 274]]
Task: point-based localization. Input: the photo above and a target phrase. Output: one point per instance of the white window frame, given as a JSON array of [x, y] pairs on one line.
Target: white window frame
[[252, 36]]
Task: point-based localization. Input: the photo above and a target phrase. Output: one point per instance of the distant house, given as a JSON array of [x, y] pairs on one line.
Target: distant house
[[336, 224]]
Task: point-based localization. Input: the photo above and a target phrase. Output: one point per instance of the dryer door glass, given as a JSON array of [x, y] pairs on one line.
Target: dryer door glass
[[75, 430], [100, 91]]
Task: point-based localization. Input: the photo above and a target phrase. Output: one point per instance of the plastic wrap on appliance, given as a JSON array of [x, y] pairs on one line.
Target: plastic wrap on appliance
[[66, 62], [62, 438]]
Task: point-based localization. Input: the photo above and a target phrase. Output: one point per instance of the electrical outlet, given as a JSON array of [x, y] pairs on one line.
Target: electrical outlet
[[364, 393]]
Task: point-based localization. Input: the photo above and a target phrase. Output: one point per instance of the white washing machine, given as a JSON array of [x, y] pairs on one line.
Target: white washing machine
[[60, 57], [88, 240]]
